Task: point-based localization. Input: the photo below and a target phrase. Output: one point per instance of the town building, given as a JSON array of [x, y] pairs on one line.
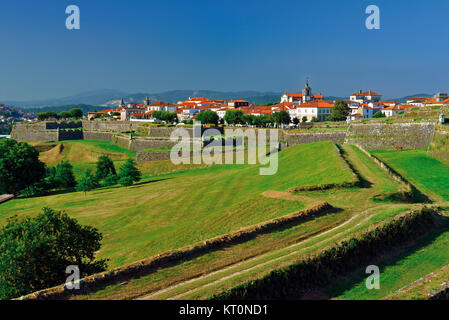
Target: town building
[[303, 97]]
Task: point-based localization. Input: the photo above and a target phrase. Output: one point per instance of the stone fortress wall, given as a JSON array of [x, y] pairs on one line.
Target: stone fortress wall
[[372, 135]]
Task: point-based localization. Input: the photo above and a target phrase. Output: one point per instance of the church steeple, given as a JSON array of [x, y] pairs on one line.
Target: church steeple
[[122, 103], [147, 101], [307, 92]]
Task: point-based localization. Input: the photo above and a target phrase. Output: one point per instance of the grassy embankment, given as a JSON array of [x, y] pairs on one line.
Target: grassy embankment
[[174, 210], [418, 260], [210, 273]]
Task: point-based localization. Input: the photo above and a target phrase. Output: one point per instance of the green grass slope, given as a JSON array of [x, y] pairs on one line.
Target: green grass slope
[[427, 173], [174, 210]]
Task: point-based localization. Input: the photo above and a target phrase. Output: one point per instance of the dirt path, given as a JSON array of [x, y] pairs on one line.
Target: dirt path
[[154, 295], [272, 257]]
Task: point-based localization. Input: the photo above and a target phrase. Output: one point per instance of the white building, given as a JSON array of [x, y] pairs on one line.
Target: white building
[[365, 97], [303, 97]]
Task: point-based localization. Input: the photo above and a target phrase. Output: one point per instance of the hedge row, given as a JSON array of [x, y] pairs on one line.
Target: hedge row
[[169, 258], [318, 271]]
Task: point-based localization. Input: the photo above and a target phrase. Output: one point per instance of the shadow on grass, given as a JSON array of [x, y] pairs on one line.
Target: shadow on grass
[[123, 279], [352, 279], [363, 183]]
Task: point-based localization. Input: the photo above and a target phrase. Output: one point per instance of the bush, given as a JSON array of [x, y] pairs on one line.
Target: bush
[[35, 252]]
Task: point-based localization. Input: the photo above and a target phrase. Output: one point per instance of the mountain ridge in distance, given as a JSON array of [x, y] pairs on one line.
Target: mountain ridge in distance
[[111, 98]]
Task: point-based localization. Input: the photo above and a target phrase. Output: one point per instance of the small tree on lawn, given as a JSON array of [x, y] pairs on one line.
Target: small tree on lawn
[[129, 173], [87, 182], [35, 252], [304, 119], [63, 175], [110, 180], [105, 167], [295, 121]]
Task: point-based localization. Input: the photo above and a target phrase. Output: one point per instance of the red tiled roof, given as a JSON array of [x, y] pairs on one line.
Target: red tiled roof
[[317, 104], [367, 93]]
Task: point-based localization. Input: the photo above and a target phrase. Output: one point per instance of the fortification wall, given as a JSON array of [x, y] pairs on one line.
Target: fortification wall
[[425, 112], [110, 126], [100, 136], [70, 134], [33, 132], [439, 147], [139, 144], [391, 136], [336, 136]]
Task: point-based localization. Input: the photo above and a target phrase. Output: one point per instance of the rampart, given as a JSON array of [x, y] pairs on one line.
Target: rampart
[[391, 136]]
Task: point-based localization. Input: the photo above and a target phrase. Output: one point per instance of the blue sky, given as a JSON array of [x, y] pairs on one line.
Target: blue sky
[[153, 46]]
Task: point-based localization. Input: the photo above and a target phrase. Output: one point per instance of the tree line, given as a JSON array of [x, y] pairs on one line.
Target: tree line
[[75, 113], [24, 174]]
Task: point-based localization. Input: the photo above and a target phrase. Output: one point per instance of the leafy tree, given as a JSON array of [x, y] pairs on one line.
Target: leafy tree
[[63, 175], [304, 119], [87, 182], [340, 111], [281, 117], [105, 167], [35, 252], [295, 121], [76, 113], [47, 115], [110, 180], [20, 166], [65, 115], [129, 173], [233, 117], [208, 117], [379, 114], [165, 116], [315, 119]]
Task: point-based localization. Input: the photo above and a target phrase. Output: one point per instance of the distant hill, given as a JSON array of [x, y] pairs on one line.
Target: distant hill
[[178, 95], [111, 98], [97, 97], [85, 107]]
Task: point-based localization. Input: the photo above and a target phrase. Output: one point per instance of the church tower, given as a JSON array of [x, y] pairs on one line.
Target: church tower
[[307, 92], [147, 102]]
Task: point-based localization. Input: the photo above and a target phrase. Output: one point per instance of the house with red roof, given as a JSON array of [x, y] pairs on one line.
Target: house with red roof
[[365, 97]]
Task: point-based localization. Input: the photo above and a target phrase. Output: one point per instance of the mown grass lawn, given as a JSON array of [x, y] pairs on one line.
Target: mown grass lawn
[[427, 173], [428, 255], [178, 209]]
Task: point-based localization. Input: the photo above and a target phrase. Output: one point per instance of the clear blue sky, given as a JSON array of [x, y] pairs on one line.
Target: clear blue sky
[[153, 46]]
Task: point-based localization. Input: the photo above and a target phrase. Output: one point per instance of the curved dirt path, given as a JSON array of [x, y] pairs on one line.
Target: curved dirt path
[[154, 295]]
